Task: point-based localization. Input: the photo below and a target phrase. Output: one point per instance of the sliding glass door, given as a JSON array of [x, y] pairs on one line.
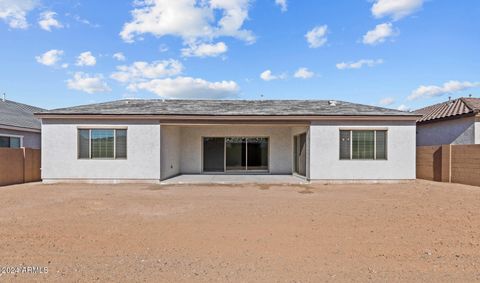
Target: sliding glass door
[[235, 154]]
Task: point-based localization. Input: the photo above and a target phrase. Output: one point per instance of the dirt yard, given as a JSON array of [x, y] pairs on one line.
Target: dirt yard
[[421, 231]]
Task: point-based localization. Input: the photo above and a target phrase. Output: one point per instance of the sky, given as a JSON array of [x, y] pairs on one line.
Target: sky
[[401, 54]]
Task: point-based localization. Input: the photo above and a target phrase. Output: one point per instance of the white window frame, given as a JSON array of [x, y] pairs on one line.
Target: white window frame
[[14, 136]]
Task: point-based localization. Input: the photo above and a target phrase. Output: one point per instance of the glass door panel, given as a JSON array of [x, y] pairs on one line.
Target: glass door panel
[[214, 155], [257, 154], [235, 150]]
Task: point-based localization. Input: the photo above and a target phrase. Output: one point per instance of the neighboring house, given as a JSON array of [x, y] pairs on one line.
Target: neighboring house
[[18, 126], [452, 122], [152, 140]]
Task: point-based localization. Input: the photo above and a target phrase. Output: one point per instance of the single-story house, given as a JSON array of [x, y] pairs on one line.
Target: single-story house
[[153, 140], [451, 122], [18, 126]]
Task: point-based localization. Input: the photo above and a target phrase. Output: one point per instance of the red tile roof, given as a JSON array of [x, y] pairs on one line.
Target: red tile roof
[[449, 109]]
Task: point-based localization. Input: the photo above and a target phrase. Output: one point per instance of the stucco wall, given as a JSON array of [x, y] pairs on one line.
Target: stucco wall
[[325, 163], [30, 139], [457, 131], [59, 152], [477, 131], [170, 151], [280, 158]]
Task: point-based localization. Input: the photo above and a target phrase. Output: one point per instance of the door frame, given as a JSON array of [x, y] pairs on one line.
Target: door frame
[[296, 156]]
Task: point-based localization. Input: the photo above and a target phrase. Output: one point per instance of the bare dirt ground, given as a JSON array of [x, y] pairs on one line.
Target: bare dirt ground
[[421, 231]]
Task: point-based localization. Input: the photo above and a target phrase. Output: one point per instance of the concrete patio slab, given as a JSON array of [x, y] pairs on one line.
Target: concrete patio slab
[[234, 179]]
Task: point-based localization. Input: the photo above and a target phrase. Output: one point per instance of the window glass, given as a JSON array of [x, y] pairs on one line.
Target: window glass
[[381, 139], [4, 142], [14, 142], [102, 143], [344, 144], [363, 144], [83, 144], [121, 144]]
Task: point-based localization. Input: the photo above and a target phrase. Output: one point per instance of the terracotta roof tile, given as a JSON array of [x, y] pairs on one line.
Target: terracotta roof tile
[[451, 108]]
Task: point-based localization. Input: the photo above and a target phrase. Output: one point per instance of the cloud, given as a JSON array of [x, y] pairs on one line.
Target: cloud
[[88, 83], [119, 56], [47, 21], [448, 87], [282, 4], [192, 20], [359, 64], [317, 36], [86, 59], [205, 50], [187, 87], [379, 34], [50, 58], [303, 73], [387, 101], [14, 12], [268, 76], [403, 107], [141, 71], [396, 9]]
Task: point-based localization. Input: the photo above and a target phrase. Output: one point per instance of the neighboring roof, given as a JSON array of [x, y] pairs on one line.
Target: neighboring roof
[[14, 114], [227, 108], [450, 109]]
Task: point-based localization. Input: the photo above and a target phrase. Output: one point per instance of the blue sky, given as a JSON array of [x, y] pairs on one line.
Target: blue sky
[[395, 53]]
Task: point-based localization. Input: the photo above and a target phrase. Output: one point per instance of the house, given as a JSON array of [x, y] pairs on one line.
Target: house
[[152, 140], [452, 122], [18, 126]]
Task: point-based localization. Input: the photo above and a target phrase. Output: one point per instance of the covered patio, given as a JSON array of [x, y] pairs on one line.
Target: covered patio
[[235, 152]]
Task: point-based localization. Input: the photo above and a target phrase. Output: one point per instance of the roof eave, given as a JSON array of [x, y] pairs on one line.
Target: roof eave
[[413, 117]]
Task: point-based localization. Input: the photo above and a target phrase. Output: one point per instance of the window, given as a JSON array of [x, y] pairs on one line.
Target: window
[[363, 144], [11, 142], [102, 143]]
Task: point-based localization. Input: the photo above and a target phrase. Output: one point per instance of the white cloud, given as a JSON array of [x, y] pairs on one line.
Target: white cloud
[[397, 9], [268, 76], [187, 87], [358, 64], [282, 4], [317, 36], [205, 50], [47, 21], [86, 59], [448, 87], [119, 56], [141, 71], [303, 73], [387, 101], [403, 107], [88, 83], [14, 12], [50, 58], [192, 20], [379, 34]]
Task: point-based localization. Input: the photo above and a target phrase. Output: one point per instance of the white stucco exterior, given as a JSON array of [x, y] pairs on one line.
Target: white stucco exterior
[[325, 163], [455, 131], [59, 152], [157, 151]]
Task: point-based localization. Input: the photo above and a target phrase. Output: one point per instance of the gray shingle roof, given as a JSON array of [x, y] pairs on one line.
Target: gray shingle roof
[[16, 114], [227, 108]]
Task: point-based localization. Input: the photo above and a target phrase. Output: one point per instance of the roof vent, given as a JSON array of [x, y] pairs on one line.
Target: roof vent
[[4, 97], [332, 103]]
